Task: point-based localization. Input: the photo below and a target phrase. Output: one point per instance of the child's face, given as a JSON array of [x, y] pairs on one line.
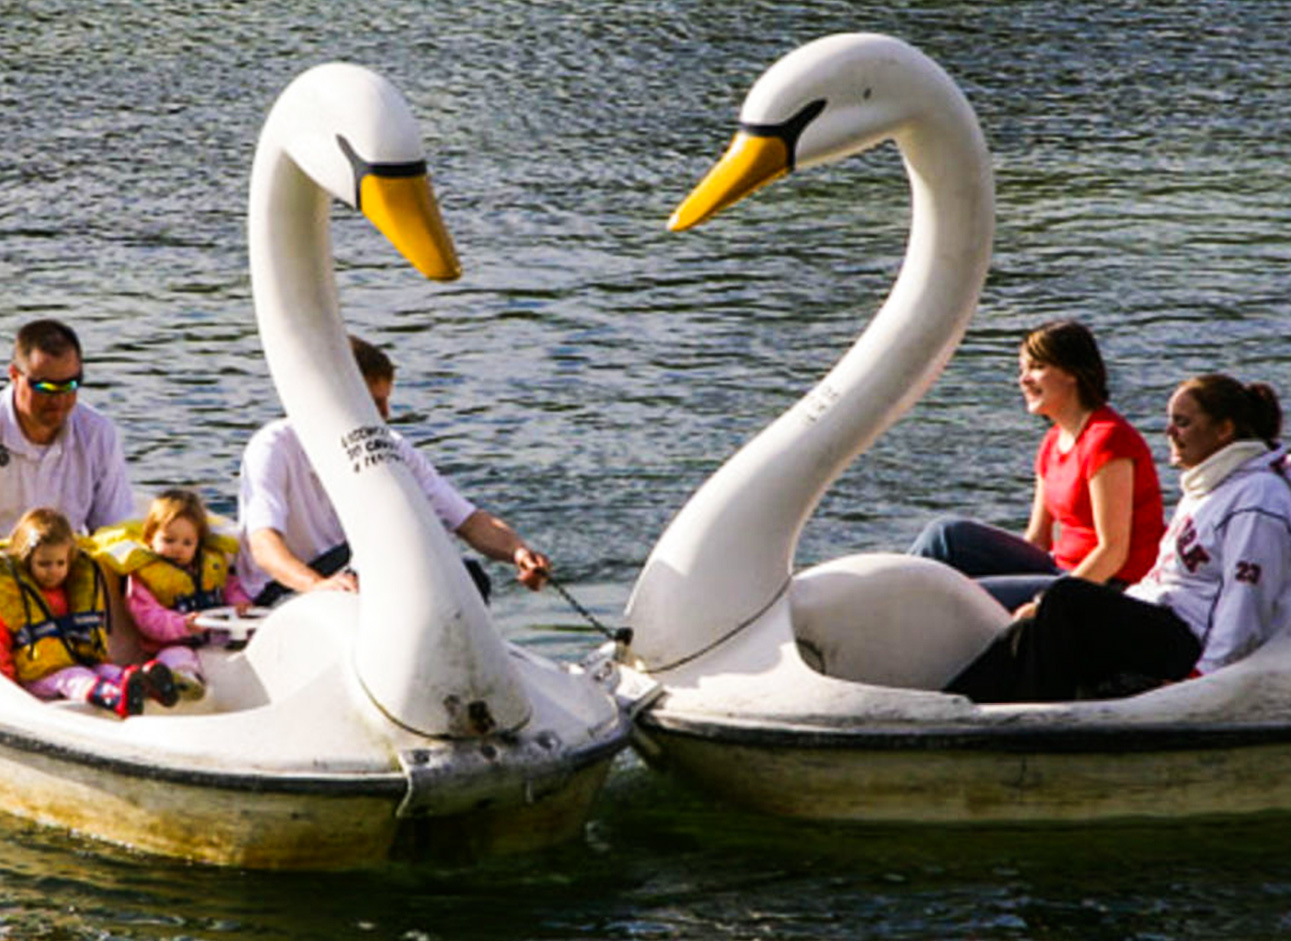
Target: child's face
[[49, 564], [176, 540]]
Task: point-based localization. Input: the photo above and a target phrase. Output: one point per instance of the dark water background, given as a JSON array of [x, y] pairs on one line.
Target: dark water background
[[590, 370]]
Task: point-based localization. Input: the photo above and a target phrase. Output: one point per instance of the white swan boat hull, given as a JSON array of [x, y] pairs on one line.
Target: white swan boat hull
[[755, 721], [991, 774], [268, 772], [262, 821]]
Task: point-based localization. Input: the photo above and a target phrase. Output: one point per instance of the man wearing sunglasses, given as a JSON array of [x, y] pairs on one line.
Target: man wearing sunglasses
[[55, 451]]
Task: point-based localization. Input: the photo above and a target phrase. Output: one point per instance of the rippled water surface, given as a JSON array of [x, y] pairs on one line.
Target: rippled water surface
[[590, 369]]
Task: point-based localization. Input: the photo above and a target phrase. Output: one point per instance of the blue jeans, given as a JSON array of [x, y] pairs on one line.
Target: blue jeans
[[1011, 569]]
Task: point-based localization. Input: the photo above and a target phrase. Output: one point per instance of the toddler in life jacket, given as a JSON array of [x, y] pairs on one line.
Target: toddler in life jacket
[[188, 573], [54, 612]]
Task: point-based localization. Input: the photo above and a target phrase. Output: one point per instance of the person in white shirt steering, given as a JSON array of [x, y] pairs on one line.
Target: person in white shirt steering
[[291, 536]]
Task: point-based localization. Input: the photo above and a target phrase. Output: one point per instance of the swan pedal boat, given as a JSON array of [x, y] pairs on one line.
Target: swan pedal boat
[[352, 727], [817, 694]]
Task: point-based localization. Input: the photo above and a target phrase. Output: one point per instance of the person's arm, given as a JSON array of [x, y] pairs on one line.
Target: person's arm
[[491, 536], [271, 553], [265, 506], [1040, 527], [481, 530], [113, 500], [1111, 496], [155, 622], [235, 594], [1256, 568]]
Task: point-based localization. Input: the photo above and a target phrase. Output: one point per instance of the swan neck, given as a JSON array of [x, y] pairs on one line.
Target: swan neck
[[732, 546], [426, 652]]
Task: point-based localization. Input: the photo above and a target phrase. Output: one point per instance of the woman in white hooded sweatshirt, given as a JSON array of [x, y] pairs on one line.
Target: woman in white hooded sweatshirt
[[1220, 587]]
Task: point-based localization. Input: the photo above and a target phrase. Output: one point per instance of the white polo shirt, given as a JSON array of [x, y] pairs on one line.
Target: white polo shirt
[[82, 472], [279, 490]]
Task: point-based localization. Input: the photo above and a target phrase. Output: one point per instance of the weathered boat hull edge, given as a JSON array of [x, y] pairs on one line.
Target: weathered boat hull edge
[[969, 781], [302, 824]]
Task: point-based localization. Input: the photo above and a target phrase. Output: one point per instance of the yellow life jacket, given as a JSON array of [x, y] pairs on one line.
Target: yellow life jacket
[[175, 588], [42, 642], [121, 548]]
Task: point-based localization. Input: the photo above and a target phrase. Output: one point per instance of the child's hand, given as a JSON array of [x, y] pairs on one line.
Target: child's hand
[[242, 608], [190, 621]]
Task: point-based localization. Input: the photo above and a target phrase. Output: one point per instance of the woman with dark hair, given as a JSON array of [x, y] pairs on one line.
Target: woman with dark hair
[[1094, 479], [1221, 584]]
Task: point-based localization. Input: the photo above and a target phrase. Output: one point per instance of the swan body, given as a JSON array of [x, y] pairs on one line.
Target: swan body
[[352, 726], [817, 693]]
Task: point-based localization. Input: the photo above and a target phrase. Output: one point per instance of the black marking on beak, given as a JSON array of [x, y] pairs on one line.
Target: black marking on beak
[[788, 131], [388, 170]]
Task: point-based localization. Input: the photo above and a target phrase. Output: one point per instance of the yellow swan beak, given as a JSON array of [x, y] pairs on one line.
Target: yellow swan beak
[[405, 210], [750, 162]]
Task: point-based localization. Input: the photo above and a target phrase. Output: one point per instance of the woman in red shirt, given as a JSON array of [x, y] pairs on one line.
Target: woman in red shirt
[[1097, 512]]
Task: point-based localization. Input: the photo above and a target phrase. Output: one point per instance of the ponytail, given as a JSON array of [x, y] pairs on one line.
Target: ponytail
[[1266, 413], [1253, 409]]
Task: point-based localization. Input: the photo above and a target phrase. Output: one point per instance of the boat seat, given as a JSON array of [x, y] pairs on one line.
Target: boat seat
[[124, 645], [891, 620]]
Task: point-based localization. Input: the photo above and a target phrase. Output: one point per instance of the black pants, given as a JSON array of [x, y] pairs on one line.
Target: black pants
[[337, 557], [1085, 641]]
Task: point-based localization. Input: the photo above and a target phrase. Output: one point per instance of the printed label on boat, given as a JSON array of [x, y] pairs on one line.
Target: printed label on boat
[[818, 402], [369, 446]]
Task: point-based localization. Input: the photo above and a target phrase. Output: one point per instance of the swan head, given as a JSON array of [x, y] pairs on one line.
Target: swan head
[[822, 102], [351, 132]]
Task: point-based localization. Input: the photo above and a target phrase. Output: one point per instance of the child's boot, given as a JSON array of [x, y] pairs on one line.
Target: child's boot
[[159, 683], [124, 698]]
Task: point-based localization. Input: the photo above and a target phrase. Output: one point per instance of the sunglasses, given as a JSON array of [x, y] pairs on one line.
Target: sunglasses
[[55, 387]]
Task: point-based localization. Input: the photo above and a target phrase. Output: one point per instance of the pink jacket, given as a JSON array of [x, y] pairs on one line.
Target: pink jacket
[[159, 626]]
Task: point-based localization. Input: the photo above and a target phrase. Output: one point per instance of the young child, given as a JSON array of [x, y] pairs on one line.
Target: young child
[[187, 573], [54, 611]]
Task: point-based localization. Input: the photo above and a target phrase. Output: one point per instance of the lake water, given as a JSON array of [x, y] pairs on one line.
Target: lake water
[[590, 369]]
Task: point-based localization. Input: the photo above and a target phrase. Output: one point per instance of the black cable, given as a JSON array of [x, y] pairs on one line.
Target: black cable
[[621, 635]]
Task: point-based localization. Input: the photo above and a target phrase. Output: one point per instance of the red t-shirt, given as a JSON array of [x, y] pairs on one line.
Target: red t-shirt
[[1106, 437]]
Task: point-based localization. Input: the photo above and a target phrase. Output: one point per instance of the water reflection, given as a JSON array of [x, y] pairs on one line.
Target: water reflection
[[660, 863]]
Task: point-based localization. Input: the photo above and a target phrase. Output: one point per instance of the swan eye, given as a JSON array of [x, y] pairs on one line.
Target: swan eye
[[363, 168], [788, 131]]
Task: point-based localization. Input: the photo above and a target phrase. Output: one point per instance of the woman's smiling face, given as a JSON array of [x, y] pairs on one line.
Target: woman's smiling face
[[1046, 389]]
